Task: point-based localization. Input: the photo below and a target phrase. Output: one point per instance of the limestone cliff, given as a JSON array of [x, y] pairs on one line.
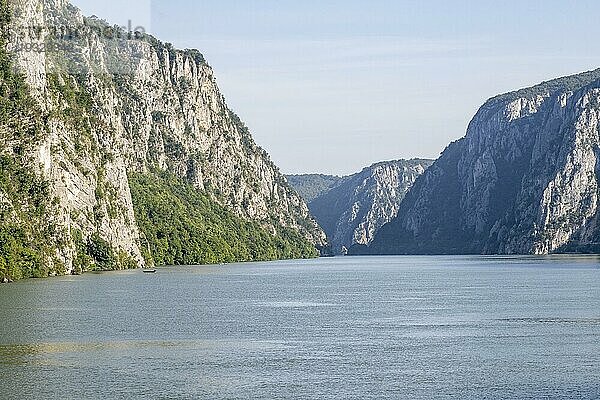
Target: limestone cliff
[[353, 208], [524, 179], [113, 102]]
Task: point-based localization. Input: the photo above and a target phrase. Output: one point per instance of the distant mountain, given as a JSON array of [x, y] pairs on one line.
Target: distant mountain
[[524, 180], [311, 186], [353, 208]]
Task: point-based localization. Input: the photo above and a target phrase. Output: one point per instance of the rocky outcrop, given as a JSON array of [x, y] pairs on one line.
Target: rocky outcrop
[[116, 102], [524, 179], [357, 206]]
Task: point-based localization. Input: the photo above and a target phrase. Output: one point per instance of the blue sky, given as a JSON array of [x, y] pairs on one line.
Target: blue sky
[[332, 86]]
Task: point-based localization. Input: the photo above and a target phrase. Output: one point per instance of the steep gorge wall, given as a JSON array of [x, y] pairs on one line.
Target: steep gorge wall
[[355, 207], [524, 179], [133, 104]]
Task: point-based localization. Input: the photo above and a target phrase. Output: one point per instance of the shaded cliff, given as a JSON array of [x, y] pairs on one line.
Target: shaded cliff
[[105, 104], [353, 208], [524, 179]]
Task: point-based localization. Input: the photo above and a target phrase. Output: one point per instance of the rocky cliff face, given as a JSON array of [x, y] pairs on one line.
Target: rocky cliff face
[[524, 179], [114, 102], [356, 206]]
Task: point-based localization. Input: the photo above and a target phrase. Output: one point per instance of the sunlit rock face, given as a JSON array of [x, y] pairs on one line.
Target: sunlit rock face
[[137, 104], [524, 179]]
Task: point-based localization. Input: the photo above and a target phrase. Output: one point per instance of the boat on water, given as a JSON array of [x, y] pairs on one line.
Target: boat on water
[[149, 271]]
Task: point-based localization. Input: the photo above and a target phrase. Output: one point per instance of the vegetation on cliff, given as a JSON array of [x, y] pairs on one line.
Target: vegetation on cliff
[[312, 186], [181, 226], [89, 123], [28, 241]]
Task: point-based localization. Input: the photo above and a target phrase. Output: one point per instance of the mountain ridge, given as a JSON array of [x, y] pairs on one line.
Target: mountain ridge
[[523, 180], [353, 208]]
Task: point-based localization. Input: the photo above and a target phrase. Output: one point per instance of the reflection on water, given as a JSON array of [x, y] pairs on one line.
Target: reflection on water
[[31, 353], [293, 304], [364, 328], [17, 355]]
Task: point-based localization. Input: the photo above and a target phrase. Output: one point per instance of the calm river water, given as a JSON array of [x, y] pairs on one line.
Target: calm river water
[[339, 328]]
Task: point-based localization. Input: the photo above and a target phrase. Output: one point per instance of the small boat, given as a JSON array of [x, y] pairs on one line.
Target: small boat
[[149, 271]]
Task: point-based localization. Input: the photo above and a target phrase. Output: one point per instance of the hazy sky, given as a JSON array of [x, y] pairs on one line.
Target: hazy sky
[[332, 86]]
